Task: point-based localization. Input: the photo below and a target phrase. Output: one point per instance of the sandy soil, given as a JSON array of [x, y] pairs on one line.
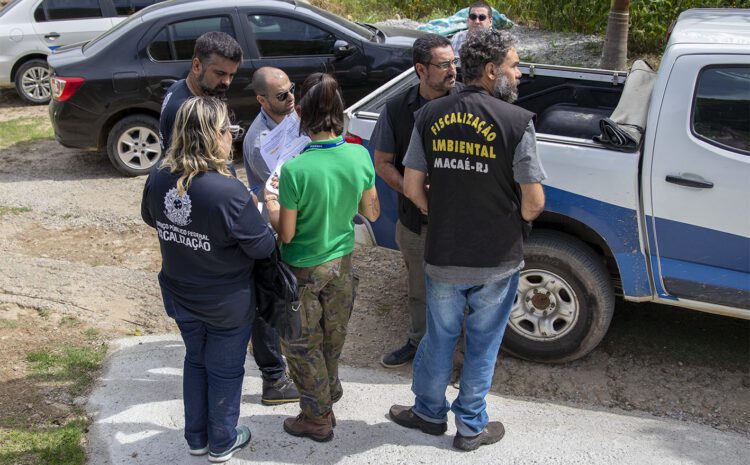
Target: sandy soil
[[74, 249]]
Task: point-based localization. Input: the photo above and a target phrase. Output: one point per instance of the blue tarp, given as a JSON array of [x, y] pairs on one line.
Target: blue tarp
[[457, 22]]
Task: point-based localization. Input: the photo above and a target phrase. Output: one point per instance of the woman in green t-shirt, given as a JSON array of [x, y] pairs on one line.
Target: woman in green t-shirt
[[320, 192]]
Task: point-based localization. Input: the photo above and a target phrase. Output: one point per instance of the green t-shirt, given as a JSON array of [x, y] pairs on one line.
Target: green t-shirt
[[325, 186]]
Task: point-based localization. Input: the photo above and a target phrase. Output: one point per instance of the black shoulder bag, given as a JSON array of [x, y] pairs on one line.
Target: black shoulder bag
[[277, 295]]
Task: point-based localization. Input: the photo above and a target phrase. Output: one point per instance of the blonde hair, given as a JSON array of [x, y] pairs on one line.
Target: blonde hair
[[196, 137]]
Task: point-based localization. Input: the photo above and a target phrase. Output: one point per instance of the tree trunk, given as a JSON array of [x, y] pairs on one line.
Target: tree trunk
[[615, 51]]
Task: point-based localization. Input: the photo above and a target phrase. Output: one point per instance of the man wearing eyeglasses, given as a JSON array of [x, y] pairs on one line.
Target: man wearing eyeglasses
[[216, 58], [435, 64], [275, 93], [480, 17]]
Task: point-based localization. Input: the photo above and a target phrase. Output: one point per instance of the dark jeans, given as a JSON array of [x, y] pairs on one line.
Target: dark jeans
[[212, 378], [267, 350]]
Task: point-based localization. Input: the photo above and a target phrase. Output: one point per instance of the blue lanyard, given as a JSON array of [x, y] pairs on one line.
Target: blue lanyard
[[329, 145]]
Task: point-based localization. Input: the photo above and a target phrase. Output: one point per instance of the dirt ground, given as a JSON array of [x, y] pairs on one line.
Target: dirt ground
[[75, 249]]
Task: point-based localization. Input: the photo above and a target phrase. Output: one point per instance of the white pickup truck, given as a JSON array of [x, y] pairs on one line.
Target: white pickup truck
[[665, 219]]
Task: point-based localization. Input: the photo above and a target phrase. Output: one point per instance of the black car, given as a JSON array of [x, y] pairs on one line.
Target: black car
[[107, 93]]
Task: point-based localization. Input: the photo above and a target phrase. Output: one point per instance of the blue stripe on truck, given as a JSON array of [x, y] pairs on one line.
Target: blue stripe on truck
[[618, 226]]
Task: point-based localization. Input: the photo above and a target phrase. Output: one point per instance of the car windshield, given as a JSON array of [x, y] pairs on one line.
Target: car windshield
[[355, 28], [9, 6], [100, 41]]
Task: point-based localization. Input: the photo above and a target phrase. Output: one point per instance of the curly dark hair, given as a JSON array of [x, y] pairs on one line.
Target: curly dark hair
[[484, 46], [217, 43]]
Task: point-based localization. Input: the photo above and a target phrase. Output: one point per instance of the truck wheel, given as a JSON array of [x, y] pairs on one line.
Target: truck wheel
[[133, 144], [32, 82], [564, 302]]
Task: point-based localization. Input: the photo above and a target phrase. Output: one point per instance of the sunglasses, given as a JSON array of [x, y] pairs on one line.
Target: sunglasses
[[281, 96], [235, 130], [475, 17]]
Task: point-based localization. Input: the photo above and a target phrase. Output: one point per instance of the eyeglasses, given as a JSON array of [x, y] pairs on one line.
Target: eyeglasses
[[445, 65], [474, 17], [281, 96], [235, 130]]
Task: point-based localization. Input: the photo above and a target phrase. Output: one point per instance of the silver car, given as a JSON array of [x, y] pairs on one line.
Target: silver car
[[32, 29]]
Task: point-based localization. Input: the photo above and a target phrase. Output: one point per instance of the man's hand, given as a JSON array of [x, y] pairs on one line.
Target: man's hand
[[385, 168], [532, 200], [415, 189]]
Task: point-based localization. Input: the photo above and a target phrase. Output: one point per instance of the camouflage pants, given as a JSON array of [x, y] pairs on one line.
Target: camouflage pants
[[326, 299]]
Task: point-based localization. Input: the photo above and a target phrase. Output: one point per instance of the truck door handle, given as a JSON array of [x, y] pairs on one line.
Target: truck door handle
[[52, 35], [679, 180]]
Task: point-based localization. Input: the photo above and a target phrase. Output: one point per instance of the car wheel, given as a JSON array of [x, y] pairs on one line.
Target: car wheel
[[564, 302], [32, 82], [133, 144]]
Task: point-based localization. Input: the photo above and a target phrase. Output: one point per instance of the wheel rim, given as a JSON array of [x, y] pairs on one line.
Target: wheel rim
[[35, 83], [138, 148], [545, 308]]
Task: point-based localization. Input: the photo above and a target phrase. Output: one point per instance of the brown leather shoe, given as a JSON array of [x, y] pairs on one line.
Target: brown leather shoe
[[317, 429]]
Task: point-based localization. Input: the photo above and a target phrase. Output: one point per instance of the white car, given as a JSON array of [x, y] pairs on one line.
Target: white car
[[32, 29]]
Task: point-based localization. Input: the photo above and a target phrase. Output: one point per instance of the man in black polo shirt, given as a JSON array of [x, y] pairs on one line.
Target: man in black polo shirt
[[435, 65], [485, 187], [216, 58]]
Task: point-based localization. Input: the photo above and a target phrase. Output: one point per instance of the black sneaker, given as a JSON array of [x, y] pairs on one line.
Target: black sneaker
[[492, 433], [282, 391], [405, 416], [399, 357]]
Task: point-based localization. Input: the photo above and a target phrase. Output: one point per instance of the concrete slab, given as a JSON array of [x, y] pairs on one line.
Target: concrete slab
[[138, 419]]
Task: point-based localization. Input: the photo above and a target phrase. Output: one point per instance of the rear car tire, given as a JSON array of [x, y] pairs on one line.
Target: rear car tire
[[32, 82], [133, 144], [564, 303]]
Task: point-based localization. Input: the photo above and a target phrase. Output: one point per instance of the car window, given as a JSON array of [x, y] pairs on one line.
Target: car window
[[177, 40], [279, 36], [9, 7], [721, 108], [128, 7], [360, 31], [62, 10]]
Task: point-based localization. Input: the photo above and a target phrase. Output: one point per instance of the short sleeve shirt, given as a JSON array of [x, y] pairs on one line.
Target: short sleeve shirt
[[324, 184], [176, 96], [527, 169]]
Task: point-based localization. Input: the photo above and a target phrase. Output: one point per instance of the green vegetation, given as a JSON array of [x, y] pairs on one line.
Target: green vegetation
[[12, 210], [24, 129], [649, 19], [59, 445], [71, 365], [34, 436]]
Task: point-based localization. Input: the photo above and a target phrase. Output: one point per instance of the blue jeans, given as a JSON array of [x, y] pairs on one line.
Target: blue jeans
[[213, 372], [489, 308], [267, 350]]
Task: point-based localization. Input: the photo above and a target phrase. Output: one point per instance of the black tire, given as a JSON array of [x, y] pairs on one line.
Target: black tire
[[564, 303], [133, 144], [32, 82]]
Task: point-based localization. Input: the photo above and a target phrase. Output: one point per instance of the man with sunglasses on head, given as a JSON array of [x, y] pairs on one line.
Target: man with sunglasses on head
[[216, 58], [435, 64], [480, 17], [275, 93]]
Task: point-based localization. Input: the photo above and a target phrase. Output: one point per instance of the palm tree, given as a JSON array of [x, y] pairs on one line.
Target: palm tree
[[615, 51]]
